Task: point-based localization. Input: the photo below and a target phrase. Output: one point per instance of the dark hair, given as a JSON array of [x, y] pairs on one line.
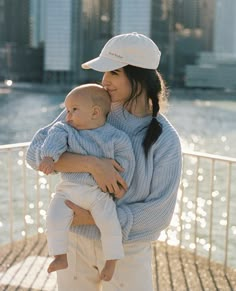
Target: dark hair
[[152, 82]]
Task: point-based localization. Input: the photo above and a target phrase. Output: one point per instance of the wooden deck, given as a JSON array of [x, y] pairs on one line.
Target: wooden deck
[[23, 267]]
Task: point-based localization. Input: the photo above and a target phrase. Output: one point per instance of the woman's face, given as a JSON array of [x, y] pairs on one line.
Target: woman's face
[[117, 84]]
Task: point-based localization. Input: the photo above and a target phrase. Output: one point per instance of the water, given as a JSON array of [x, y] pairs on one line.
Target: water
[[205, 121], [23, 112]]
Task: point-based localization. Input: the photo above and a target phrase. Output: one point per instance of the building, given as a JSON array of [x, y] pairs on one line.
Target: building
[[75, 32], [193, 25], [225, 26], [132, 15], [37, 23], [66, 33], [217, 69], [58, 40], [18, 61], [148, 17], [14, 19]]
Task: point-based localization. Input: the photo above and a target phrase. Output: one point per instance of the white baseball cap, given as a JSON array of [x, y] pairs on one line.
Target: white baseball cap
[[126, 49]]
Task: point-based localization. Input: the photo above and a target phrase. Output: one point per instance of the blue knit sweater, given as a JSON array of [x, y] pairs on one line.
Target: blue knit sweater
[[104, 142], [148, 205]]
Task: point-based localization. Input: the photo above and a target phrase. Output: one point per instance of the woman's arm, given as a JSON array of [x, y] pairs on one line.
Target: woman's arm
[[124, 154], [146, 219], [72, 163], [104, 171], [81, 216]]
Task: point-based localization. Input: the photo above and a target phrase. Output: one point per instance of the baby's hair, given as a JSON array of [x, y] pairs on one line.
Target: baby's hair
[[98, 95]]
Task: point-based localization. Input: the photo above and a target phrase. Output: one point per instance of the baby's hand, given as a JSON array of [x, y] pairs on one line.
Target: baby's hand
[[47, 166]]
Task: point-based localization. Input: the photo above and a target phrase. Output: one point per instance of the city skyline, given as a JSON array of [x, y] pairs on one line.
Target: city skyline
[[63, 34]]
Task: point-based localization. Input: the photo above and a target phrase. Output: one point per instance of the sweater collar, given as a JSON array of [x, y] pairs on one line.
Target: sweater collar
[[127, 121]]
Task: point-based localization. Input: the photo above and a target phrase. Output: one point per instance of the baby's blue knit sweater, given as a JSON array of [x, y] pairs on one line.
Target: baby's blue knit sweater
[[104, 142], [148, 205]]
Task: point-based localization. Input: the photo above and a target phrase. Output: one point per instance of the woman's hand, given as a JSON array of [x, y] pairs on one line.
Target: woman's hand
[[106, 174], [81, 215]]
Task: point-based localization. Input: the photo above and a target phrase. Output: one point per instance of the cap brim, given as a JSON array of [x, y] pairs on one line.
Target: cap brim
[[103, 64]]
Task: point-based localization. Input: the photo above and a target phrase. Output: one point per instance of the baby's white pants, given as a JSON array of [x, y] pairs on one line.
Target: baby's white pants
[[102, 208]]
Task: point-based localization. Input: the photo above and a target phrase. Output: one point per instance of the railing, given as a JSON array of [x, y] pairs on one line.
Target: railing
[[204, 221], [24, 195]]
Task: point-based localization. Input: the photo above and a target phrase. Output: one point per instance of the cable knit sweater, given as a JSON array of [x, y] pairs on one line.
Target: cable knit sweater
[[104, 142], [148, 205]]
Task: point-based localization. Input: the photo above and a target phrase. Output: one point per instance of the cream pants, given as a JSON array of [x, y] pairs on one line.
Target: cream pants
[[102, 208], [132, 273]]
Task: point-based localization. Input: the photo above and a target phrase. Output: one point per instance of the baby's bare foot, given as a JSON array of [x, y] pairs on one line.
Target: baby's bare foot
[[108, 270], [59, 263]]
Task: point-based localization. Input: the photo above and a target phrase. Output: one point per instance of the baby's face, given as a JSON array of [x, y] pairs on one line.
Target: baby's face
[[79, 111]]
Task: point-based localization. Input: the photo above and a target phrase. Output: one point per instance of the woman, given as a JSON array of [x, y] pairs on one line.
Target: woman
[[129, 62]]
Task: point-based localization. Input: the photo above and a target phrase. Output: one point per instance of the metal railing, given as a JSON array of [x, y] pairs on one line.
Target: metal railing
[[204, 220], [24, 195]]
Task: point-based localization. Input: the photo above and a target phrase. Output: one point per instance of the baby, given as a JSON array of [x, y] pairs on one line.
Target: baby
[[85, 131]]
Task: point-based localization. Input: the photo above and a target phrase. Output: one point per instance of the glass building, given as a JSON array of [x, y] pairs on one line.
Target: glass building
[[76, 31], [18, 61], [70, 32], [14, 22], [217, 68]]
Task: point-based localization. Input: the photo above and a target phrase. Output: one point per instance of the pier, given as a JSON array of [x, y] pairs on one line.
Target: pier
[[196, 252]]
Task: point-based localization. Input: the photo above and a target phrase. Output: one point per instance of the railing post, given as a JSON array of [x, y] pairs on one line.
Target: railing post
[[228, 215], [37, 204], [10, 204], [211, 210], [25, 191], [182, 188], [196, 203]]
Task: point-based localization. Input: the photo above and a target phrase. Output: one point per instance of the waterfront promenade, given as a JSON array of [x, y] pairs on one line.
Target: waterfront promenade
[[203, 229], [23, 267]]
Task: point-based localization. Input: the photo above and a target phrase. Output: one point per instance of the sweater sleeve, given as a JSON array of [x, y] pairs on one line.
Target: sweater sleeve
[[124, 155], [56, 141], [146, 219], [33, 155]]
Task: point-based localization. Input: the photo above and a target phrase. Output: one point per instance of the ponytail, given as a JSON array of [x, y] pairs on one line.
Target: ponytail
[[152, 82], [155, 93], [153, 132]]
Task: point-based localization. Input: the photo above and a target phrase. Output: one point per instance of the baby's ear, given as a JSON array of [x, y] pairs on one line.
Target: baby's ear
[[96, 112]]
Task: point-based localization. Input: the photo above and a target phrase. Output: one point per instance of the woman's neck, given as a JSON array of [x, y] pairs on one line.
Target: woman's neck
[[139, 107]]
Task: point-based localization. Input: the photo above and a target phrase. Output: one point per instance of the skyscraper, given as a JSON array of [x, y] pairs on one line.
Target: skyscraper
[[75, 32], [17, 60], [225, 27], [217, 69], [14, 26], [132, 15], [58, 38], [37, 23]]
